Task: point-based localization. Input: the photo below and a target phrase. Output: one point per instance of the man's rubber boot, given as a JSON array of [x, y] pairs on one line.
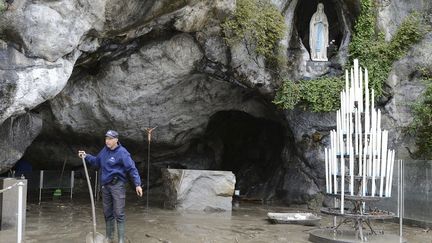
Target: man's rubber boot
[[121, 232], [110, 230]]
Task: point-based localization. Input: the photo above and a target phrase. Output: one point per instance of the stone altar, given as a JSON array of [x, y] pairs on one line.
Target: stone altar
[[204, 190]]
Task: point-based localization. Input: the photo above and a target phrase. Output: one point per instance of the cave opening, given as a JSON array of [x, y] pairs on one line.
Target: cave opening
[[250, 147], [303, 15]]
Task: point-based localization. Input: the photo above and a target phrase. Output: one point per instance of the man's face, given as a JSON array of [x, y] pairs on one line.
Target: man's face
[[111, 142]]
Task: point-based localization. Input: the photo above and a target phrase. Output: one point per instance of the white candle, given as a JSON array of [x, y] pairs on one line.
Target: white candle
[[379, 145], [364, 165], [356, 133], [378, 154], [335, 169], [351, 161], [360, 147], [370, 152], [374, 161], [342, 198], [383, 161], [330, 169], [326, 160], [356, 77], [389, 155], [351, 102], [352, 86], [391, 172], [373, 137], [351, 130], [361, 91], [367, 114]]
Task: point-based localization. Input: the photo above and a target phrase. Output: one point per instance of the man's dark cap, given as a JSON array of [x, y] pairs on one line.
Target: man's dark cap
[[111, 134]]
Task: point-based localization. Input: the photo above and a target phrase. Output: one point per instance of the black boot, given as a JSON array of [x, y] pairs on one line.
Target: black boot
[[110, 230], [121, 232]]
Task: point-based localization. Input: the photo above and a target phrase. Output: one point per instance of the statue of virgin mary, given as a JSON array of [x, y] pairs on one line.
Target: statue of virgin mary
[[318, 35]]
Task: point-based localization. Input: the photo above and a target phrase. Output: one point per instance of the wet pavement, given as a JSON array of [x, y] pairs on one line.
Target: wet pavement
[[70, 221]]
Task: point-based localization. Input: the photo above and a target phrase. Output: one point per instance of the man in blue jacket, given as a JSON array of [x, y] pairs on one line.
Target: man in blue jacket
[[115, 164]]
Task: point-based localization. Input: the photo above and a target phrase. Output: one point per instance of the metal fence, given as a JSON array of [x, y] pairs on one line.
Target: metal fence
[[52, 179], [12, 209], [415, 198]]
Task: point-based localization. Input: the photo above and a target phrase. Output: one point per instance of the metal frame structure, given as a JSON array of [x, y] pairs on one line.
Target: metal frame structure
[[42, 186]]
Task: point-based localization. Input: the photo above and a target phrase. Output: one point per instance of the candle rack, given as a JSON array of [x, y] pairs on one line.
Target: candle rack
[[358, 162]]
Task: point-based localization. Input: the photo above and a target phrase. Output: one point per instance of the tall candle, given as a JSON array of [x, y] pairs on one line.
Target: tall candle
[[383, 161], [391, 171], [374, 161], [367, 114], [389, 155], [352, 86], [330, 169], [351, 162], [360, 147], [341, 140], [326, 160], [373, 137], [364, 166], [356, 132], [335, 169], [361, 91], [342, 198], [356, 76]]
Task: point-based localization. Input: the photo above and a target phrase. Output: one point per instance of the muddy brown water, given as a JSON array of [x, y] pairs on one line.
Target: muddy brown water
[[70, 221]]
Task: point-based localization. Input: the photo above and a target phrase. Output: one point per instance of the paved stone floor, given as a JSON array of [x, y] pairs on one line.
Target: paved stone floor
[[70, 221]]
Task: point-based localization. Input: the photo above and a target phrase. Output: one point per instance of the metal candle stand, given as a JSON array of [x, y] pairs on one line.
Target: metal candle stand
[[358, 215], [358, 163]]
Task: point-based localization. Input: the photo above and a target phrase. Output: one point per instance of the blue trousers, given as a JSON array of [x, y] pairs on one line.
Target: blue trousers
[[113, 197]]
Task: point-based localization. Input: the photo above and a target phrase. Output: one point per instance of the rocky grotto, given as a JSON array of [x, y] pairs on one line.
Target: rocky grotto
[[70, 70]]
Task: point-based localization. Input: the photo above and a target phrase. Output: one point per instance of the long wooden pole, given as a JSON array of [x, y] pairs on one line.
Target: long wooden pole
[[149, 134]]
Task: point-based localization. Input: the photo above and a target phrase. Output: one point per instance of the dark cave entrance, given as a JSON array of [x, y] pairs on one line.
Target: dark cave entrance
[[250, 147], [303, 15]]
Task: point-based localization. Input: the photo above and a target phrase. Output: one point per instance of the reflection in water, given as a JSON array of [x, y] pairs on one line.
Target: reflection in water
[[65, 221]]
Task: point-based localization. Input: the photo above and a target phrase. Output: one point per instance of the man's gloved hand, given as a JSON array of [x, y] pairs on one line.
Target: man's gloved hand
[[82, 154], [139, 191]]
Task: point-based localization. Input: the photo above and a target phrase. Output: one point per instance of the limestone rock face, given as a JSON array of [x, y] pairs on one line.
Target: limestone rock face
[[17, 134], [38, 49], [311, 133], [392, 13], [202, 190], [52, 29], [405, 84], [24, 84], [27, 82], [156, 84]]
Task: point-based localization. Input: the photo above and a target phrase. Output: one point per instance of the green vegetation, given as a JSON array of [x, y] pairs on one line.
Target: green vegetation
[[319, 95], [259, 24], [2, 6], [376, 54], [373, 52], [421, 127]]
